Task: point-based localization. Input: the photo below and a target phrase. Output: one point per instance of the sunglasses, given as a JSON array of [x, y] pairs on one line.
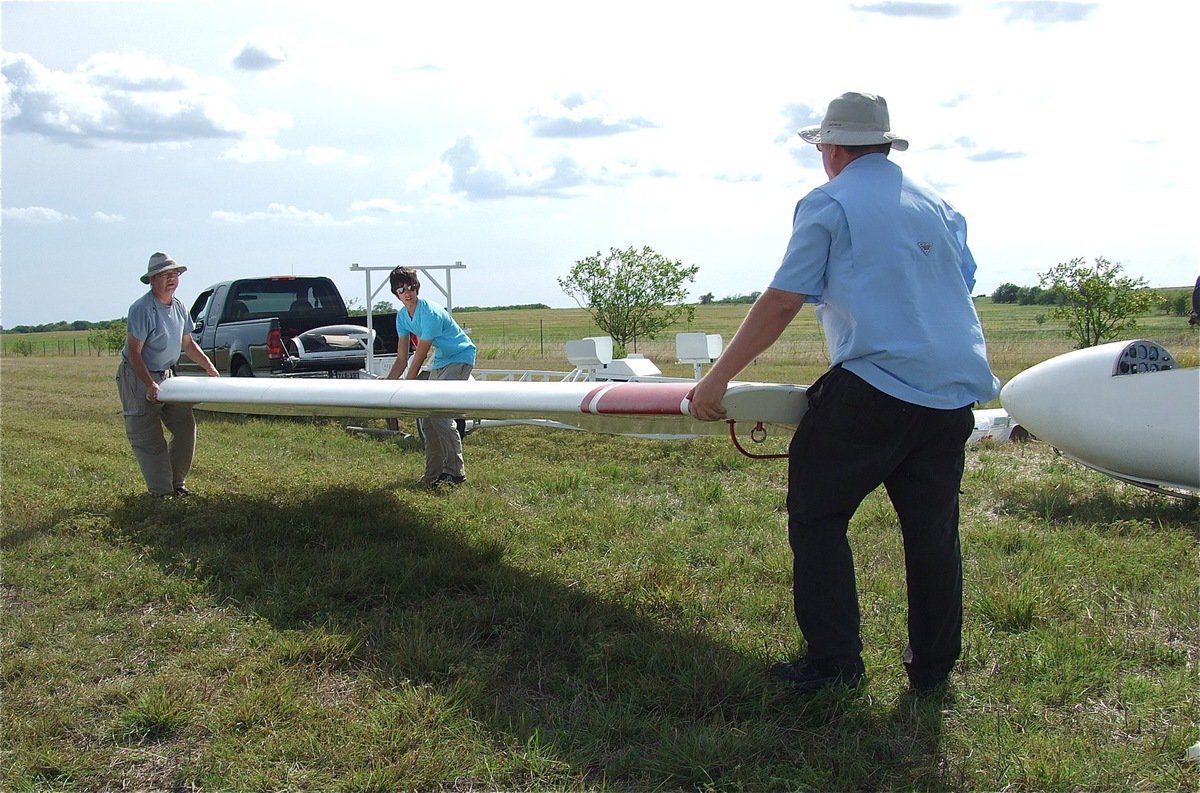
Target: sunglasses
[[409, 288]]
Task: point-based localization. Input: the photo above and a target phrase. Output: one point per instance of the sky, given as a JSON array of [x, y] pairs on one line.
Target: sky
[[256, 138]]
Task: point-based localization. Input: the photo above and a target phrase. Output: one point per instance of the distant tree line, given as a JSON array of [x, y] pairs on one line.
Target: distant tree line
[[387, 307], [101, 339], [709, 300], [382, 307], [1026, 295], [1176, 302], [518, 307], [62, 325]]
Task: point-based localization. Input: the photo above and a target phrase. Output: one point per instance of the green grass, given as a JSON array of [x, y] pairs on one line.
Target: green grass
[[587, 613]]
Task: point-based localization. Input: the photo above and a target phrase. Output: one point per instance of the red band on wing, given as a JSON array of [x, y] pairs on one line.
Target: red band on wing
[[638, 399]]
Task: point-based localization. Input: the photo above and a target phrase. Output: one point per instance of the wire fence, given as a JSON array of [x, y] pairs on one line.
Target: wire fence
[[15, 345]]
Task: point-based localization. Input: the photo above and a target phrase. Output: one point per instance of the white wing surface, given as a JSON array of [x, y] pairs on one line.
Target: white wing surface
[[641, 407]]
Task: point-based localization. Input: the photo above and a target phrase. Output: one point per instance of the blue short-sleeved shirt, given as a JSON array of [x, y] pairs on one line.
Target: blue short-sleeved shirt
[[887, 263], [433, 323], [160, 328]]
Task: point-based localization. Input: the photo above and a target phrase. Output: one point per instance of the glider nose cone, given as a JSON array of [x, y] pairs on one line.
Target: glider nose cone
[[1029, 397], [1124, 408]]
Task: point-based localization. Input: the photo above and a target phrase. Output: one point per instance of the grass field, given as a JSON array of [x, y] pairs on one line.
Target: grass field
[[587, 613]]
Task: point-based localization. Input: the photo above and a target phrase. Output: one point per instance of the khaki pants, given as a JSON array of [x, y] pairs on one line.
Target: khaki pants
[[164, 465], [443, 446]]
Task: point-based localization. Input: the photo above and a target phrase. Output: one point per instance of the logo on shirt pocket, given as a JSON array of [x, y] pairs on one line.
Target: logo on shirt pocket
[[925, 247]]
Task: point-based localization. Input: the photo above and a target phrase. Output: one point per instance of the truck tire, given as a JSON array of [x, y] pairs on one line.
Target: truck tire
[[243, 370]]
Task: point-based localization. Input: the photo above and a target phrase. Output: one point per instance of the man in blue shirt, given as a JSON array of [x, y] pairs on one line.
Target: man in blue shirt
[[453, 359], [886, 262]]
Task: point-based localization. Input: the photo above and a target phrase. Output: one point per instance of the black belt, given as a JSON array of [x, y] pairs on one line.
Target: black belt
[[167, 372]]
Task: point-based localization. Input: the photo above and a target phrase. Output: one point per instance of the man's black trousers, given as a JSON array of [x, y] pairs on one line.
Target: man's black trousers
[[852, 439]]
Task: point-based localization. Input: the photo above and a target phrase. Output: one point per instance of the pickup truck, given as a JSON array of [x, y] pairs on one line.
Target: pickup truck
[[262, 327]]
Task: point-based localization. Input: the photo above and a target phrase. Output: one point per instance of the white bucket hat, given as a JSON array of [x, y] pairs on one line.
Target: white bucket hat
[[161, 263], [855, 119]]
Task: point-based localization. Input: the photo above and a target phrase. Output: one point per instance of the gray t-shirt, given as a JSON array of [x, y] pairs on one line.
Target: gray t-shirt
[[160, 328]]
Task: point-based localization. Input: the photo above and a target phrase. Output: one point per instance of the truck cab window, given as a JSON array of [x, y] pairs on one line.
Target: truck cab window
[[200, 308]]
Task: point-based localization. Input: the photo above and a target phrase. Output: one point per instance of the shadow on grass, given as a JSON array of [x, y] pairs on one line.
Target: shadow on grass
[[610, 694], [1121, 506]]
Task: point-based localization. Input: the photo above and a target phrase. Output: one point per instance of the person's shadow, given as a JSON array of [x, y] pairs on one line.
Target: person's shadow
[[615, 691]]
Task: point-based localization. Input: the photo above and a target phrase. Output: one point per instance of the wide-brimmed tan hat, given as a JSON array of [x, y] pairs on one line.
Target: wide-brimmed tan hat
[[161, 263], [855, 119]]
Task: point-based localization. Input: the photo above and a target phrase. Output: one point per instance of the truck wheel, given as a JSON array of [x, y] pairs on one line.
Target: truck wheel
[[243, 370]]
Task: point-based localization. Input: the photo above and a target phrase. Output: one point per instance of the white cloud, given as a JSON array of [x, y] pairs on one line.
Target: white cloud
[[42, 215], [104, 217], [992, 155], [124, 99], [260, 54], [482, 178], [380, 206], [738, 178], [577, 116], [252, 151], [290, 215], [258, 150], [329, 155], [919, 10], [1046, 12]]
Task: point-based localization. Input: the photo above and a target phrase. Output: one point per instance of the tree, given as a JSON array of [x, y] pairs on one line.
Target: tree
[[1005, 293], [1096, 302], [631, 294], [110, 339], [1176, 304]]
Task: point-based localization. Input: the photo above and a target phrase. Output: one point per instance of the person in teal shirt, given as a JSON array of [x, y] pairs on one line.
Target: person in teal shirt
[[453, 359], [886, 262]]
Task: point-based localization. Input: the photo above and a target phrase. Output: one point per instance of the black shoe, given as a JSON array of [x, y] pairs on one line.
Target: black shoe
[[183, 492], [807, 677], [448, 480], [925, 688]]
